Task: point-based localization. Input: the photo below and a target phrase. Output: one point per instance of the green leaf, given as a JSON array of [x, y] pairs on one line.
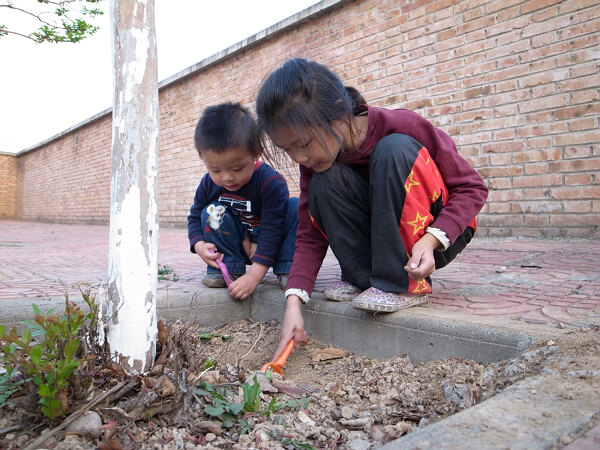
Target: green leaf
[[236, 408], [26, 337], [251, 396], [71, 348], [214, 410], [35, 353], [36, 309]]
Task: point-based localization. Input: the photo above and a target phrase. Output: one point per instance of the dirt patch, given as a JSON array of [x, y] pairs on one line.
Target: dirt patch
[[328, 398]]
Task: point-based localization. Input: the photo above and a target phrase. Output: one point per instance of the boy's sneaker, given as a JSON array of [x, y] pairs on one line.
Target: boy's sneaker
[[216, 280], [376, 300], [282, 277], [341, 291]]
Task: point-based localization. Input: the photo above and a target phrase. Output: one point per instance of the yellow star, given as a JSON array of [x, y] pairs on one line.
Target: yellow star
[[421, 286], [434, 196], [410, 182], [418, 223]]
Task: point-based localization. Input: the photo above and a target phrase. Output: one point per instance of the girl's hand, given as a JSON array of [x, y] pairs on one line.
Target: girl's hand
[[292, 326], [422, 264], [208, 252], [244, 286]]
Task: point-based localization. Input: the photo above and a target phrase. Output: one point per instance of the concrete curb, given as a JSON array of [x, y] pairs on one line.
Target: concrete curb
[[525, 416]]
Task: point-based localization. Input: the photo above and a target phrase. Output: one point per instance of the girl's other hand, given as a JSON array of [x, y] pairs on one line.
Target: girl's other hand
[[422, 264], [292, 326]]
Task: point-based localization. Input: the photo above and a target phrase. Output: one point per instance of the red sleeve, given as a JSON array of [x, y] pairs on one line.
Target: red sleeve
[[311, 245]]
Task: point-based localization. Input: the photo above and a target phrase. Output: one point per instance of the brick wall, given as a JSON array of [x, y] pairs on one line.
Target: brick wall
[[515, 83], [8, 185]]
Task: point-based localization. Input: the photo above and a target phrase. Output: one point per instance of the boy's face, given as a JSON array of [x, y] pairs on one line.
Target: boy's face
[[231, 168]]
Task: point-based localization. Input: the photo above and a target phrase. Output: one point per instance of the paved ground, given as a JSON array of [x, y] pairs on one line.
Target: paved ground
[[537, 281]]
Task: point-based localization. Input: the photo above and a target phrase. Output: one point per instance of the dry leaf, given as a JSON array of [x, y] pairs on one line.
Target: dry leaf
[[324, 354]]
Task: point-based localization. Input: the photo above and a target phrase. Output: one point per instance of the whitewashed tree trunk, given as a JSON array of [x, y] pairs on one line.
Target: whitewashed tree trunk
[[133, 244]]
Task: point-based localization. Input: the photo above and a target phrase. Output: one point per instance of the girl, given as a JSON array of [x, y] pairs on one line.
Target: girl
[[384, 188]]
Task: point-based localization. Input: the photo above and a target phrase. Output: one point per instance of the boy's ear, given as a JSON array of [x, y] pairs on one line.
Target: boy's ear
[[258, 154]]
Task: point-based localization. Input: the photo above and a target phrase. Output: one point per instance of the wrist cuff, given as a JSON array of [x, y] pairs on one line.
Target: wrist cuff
[[440, 235], [301, 293]]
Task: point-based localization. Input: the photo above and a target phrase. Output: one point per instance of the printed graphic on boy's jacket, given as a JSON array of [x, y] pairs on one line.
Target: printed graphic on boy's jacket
[[215, 215], [242, 208]]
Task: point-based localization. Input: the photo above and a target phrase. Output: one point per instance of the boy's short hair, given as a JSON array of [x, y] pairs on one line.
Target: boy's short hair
[[224, 126]]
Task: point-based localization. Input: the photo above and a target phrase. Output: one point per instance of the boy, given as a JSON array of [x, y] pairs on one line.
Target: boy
[[242, 212]]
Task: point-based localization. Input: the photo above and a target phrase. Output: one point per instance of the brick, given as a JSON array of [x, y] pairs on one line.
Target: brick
[[538, 180]]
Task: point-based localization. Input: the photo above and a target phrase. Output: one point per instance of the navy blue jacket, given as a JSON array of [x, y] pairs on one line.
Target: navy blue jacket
[[261, 202]]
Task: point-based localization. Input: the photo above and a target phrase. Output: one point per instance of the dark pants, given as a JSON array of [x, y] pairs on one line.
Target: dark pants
[[231, 232], [361, 217]]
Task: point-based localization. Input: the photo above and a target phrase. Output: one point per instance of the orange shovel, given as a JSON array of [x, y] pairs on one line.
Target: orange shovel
[[277, 365]]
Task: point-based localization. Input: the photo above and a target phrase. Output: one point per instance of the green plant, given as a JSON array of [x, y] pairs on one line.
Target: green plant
[[165, 270], [45, 354], [231, 414], [10, 382]]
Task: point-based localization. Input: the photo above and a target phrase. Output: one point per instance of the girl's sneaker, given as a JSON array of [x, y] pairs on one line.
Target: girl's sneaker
[[341, 291], [374, 299]]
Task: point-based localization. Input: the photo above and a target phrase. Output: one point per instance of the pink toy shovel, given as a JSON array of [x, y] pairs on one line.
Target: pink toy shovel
[[224, 270]]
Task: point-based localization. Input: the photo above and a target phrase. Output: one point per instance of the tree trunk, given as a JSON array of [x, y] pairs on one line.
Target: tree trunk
[[133, 243]]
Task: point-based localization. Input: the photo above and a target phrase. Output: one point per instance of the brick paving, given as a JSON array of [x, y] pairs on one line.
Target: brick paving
[[552, 282]]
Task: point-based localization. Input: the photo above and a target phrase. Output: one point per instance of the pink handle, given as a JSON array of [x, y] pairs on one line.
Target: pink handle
[[224, 270]]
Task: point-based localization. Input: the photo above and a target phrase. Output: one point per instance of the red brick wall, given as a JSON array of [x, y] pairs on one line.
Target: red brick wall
[[515, 83], [8, 185]]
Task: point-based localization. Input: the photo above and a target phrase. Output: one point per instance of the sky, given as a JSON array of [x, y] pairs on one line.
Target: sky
[[47, 88]]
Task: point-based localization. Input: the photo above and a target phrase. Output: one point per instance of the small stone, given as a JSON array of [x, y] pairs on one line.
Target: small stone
[[89, 424], [346, 412], [210, 437], [359, 444], [305, 419], [564, 439]]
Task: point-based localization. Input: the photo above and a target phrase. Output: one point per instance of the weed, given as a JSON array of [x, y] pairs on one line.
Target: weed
[[231, 414], [164, 271], [209, 336], [45, 354]]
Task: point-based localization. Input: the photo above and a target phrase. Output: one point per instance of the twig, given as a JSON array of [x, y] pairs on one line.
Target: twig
[[253, 345], [45, 436]]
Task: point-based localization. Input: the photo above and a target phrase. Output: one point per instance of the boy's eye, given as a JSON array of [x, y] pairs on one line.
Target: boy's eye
[[237, 169]]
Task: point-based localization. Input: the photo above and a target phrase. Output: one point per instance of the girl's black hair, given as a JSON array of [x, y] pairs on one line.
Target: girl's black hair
[[224, 126], [302, 94]]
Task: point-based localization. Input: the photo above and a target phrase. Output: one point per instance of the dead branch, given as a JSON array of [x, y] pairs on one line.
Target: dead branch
[[45, 436]]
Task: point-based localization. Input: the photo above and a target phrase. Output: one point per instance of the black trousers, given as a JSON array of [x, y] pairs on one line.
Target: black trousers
[[360, 214]]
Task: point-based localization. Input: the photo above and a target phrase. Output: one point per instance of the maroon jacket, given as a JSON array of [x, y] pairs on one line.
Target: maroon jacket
[[467, 191]]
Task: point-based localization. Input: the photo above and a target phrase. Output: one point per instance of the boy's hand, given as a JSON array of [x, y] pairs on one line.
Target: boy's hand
[[208, 252], [422, 264], [292, 326], [244, 286]]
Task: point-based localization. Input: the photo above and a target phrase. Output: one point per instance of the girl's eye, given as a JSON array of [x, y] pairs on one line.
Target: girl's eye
[[305, 145]]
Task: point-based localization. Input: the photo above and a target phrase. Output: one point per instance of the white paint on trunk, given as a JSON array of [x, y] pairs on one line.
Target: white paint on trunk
[[133, 243], [132, 272]]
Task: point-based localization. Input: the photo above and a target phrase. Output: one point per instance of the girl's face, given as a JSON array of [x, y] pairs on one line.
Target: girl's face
[[312, 148], [232, 168]]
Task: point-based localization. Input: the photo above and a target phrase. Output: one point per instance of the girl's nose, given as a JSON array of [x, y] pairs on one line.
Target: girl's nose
[[299, 156]]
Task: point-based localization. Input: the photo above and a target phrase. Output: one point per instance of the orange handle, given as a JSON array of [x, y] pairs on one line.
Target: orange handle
[[277, 365], [285, 353]]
